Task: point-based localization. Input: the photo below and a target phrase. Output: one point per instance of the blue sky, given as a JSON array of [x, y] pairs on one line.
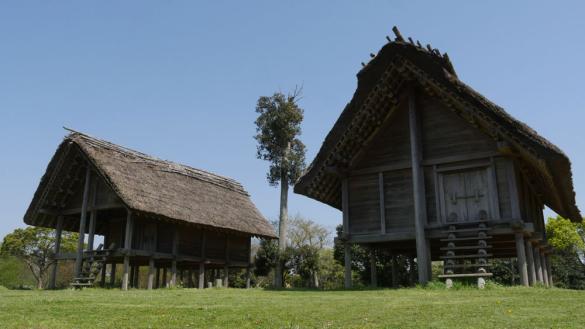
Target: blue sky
[[180, 79]]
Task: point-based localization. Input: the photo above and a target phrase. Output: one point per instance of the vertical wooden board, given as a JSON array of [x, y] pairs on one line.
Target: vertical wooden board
[[430, 195], [476, 191], [391, 144], [455, 209], [149, 235], [238, 248], [189, 241], [504, 199], [364, 209], [445, 134], [398, 198], [165, 238], [215, 245]]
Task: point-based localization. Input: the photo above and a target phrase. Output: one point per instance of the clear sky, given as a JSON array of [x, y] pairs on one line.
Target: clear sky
[[180, 79]]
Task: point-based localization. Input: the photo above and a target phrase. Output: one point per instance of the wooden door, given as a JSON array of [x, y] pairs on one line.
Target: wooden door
[[465, 196]]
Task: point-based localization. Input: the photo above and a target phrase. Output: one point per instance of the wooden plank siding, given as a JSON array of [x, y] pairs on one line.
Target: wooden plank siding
[[364, 204], [398, 196]]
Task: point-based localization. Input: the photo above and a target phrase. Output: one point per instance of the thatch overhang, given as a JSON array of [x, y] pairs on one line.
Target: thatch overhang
[[147, 186], [400, 63]]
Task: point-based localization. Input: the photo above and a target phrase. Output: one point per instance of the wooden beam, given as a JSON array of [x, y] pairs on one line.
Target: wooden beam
[[127, 246], [420, 212], [345, 205], [82, 220], [373, 269], [173, 282], [544, 268], [521, 256], [58, 231], [201, 279], [226, 270], [150, 284], [530, 262], [347, 249], [382, 203], [92, 217], [537, 264]]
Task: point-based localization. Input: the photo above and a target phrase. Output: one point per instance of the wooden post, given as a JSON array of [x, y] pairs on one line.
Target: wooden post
[[92, 216], [530, 262], [58, 232], [412, 272], [373, 269], [128, 248], [537, 265], [226, 269], [132, 273], [420, 212], [136, 277], [521, 256], [157, 278], [173, 282], [103, 278], [348, 283], [394, 272], [544, 268], [113, 275], [248, 277], [549, 271], [150, 284], [164, 277], [201, 279], [345, 205], [82, 220], [382, 203]]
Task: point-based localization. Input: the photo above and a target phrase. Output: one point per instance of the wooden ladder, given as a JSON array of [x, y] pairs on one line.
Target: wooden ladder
[[467, 252], [94, 262]]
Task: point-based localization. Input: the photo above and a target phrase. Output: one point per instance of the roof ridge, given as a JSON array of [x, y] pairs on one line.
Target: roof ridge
[[172, 167]]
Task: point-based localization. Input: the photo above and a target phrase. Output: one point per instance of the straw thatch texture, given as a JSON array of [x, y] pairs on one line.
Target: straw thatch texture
[[400, 63], [161, 188]]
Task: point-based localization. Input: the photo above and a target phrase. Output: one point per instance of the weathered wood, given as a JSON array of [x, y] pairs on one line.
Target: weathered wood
[[347, 251], [549, 272], [394, 272], [373, 269], [57, 249], [164, 278], [82, 220], [248, 277], [173, 282], [113, 275], [537, 265], [513, 190], [530, 262], [345, 205], [157, 278], [544, 269], [92, 216], [226, 270], [382, 203], [521, 256], [150, 283], [418, 191], [201, 280], [103, 276], [127, 246]]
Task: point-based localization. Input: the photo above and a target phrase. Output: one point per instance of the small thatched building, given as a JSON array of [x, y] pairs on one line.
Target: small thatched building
[[149, 211], [423, 165]]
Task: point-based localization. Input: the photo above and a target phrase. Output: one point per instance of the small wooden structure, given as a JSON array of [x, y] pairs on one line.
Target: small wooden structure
[[425, 166], [150, 212]]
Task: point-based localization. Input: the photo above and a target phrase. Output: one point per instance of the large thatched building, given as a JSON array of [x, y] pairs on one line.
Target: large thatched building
[[150, 212], [425, 166]]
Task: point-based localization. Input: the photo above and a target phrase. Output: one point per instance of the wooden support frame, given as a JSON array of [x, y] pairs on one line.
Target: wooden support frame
[[345, 205], [127, 247], [382, 203], [150, 283], [373, 269], [226, 269], [521, 256], [112, 274], [420, 212], [530, 262], [173, 282], [537, 264], [58, 233], [92, 215], [201, 279], [82, 220]]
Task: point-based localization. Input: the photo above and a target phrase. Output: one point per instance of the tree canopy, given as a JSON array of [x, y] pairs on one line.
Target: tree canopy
[[278, 127], [35, 246]]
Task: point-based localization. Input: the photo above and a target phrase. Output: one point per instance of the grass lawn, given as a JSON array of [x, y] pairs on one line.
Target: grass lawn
[[515, 307]]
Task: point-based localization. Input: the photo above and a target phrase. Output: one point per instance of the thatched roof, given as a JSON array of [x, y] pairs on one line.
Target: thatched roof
[[162, 188], [402, 62]]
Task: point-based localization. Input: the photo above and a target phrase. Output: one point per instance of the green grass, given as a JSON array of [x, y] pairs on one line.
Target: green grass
[[497, 307]]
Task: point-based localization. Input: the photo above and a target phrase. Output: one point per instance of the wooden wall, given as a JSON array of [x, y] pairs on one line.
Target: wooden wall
[[448, 141]]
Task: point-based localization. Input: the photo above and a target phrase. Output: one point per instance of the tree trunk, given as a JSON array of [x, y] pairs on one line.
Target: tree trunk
[[282, 227]]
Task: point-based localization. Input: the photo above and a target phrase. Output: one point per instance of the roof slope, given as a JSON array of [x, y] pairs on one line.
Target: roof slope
[[154, 186], [399, 63]]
